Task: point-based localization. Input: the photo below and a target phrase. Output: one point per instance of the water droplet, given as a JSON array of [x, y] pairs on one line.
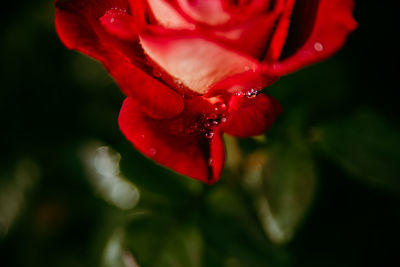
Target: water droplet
[[142, 136], [210, 123], [252, 93], [209, 135], [178, 83], [223, 119], [210, 161], [152, 151], [246, 68], [220, 106], [156, 73], [318, 47], [238, 94]]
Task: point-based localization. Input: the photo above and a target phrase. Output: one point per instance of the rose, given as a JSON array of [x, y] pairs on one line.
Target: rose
[[193, 69]]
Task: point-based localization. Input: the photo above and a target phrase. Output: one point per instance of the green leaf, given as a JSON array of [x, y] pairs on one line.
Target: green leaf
[[282, 179], [159, 240], [232, 234], [366, 146]]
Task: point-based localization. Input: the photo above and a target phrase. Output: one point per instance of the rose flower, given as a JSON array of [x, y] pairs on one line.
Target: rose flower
[[194, 69]]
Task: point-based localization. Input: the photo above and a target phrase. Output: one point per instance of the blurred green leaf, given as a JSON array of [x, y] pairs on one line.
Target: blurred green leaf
[[282, 179], [159, 240], [366, 146], [233, 234], [15, 191], [114, 253]]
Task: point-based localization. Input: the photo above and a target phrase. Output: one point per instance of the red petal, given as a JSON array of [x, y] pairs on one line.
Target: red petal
[[242, 83], [175, 143], [75, 30], [251, 36], [251, 116], [78, 25], [333, 22], [117, 22], [217, 157], [281, 31], [158, 100]]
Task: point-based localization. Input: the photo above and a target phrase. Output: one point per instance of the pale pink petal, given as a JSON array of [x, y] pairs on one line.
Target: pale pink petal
[[195, 62], [206, 11], [167, 16]]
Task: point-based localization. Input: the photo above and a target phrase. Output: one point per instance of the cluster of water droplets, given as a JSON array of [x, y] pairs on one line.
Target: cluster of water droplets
[[251, 93], [114, 12], [212, 120]]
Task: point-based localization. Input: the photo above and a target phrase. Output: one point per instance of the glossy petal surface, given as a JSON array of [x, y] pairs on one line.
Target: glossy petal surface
[[251, 116], [177, 143]]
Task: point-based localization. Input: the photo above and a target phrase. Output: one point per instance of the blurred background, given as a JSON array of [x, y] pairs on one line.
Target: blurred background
[[321, 188]]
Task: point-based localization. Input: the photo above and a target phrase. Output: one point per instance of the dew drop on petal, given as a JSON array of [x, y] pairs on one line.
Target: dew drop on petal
[[209, 135], [208, 125], [252, 93], [220, 107], [210, 161], [238, 94], [318, 47], [178, 83], [156, 73]]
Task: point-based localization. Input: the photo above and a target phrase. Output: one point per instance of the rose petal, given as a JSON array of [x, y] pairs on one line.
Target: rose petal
[[246, 9], [242, 83], [310, 40], [216, 160], [117, 22], [281, 31], [155, 98], [251, 116], [251, 36], [205, 11], [167, 16], [75, 30], [79, 28], [193, 61], [172, 143]]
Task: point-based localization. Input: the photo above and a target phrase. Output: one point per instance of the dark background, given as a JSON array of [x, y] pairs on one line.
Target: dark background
[[328, 169]]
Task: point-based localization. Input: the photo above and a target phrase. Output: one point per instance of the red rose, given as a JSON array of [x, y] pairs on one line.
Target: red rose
[[193, 69]]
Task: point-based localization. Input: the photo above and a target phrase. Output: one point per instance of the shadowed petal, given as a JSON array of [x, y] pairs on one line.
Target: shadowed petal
[[177, 143], [318, 29]]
